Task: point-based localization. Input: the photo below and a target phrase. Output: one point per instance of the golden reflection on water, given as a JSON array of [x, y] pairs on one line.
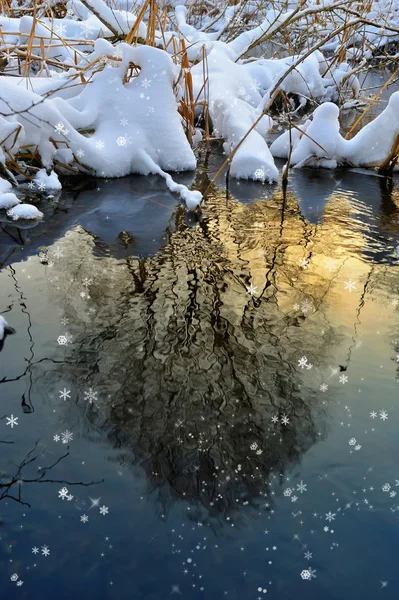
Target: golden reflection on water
[[192, 353]]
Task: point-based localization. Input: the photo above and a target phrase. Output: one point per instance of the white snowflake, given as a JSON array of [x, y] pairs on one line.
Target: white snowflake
[[373, 414], [307, 306], [62, 340], [63, 493], [20, 582], [287, 492], [275, 419], [352, 442], [302, 487], [60, 29], [80, 153], [386, 487], [259, 174], [104, 510], [323, 387], [91, 396], [303, 362], [343, 379], [254, 446], [66, 436], [45, 550], [383, 415], [84, 518], [350, 285], [121, 141], [11, 421], [285, 420], [35, 550], [124, 122], [305, 574], [330, 516], [100, 145], [14, 577], [251, 290], [60, 127], [65, 394], [146, 83], [86, 30]]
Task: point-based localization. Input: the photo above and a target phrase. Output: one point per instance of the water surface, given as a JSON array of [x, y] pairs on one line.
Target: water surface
[[205, 408]]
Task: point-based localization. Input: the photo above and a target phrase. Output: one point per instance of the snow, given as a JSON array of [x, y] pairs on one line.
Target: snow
[[8, 200], [5, 186], [93, 103], [24, 211], [4, 328], [48, 182]]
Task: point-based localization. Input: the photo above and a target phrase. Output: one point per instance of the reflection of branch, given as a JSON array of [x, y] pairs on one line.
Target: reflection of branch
[[17, 479]]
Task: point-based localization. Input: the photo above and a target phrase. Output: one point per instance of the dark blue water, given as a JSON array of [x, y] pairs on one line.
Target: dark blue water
[[205, 409]]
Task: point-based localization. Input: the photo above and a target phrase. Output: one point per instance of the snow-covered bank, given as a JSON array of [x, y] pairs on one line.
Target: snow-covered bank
[[107, 92]]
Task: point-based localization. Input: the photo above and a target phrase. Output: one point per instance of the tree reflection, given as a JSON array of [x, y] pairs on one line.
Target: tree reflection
[[196, 379]]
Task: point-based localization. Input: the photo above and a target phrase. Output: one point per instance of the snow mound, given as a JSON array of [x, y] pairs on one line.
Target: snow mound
[[25, 211], [8, 200], [48, 182], [4, 328], [5, 186]]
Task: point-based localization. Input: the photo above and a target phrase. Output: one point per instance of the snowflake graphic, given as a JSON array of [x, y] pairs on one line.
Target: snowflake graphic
[[80, 153], [275, 419], [343, 379], [323, 387], [330, 516], [56, 438], [60, 29], [303, 362], [63, 493], [14, 577], [35, 550], [65, 394], [287, 492], [100, 145], [254, 446], [383, 415], [305, 574], [350, 285], [60, 127], [124, 122], [12, 421], [66, 436], [104, 510], [307, 306], [386, 487], [259, 174], [58, 253], [251, 290], [146, 83], [302, 487], [62, 340], [352, 442], [86, 30], [285, 420], [45, 550], [91, 396]]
